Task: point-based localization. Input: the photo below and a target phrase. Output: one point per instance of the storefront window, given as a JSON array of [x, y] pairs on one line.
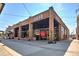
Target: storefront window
[[24, 31], [16, 31], [62, 29], [41, 24]]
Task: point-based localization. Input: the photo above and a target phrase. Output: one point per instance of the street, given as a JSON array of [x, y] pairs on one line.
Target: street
[[38, 48]]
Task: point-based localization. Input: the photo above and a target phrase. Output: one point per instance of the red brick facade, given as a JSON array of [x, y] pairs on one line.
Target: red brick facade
[[63, 32]]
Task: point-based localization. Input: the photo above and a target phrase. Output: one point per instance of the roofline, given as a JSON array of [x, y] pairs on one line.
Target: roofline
[[41, 13], [60, 19], [30, 17]]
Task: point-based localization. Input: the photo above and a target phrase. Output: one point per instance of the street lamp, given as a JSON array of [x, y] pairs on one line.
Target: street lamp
[[1, 7], [77, 17]]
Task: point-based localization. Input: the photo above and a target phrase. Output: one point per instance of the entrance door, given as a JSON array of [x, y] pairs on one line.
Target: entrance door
[[56, 34], [41, 25], [40, 34]]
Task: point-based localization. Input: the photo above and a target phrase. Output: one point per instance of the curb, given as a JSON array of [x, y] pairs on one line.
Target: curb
[[11, 51]]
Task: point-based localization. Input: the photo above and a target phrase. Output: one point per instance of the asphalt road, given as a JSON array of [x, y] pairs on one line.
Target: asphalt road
[[38, 48]]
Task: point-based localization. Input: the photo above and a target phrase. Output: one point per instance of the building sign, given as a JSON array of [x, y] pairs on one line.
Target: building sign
[[38, 17]]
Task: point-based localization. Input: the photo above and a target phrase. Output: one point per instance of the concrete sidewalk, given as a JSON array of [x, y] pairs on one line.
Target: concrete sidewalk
[[73, 49], [6, 51]]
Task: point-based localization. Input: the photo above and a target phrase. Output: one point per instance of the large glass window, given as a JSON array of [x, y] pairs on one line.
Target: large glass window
[[56, 29], [16, 31], [24, 31], [41, 24], [56, 24]]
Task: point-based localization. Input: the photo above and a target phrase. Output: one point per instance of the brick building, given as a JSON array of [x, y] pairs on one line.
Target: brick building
[[45, 25]]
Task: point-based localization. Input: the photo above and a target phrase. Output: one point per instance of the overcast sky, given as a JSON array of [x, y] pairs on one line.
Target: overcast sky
[[13, 13]]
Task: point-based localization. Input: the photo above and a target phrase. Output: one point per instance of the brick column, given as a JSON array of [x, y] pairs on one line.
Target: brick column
[[62, 32], [30, 31], [19, 33], [51, 25], [13, 33], [59, 31], [67, 34]]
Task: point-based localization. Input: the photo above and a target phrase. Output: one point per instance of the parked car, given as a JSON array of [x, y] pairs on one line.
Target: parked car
[[73, 37], [0, 39]]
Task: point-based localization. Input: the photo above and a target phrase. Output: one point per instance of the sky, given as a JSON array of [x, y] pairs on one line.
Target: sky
[[16, 12]]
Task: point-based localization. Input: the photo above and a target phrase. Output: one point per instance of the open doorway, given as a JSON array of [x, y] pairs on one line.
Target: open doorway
[[40, 29], [56, 30], [24, 31]]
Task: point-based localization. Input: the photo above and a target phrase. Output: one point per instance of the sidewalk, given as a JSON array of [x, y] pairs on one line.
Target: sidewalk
[[3, 51], [6, 51], [73, 49]]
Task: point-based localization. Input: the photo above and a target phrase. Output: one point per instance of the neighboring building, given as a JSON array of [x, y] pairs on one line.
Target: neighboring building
[[77, 30], [1, 34], [45, 25], [9, 33], [73, 36], [1, 7]]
